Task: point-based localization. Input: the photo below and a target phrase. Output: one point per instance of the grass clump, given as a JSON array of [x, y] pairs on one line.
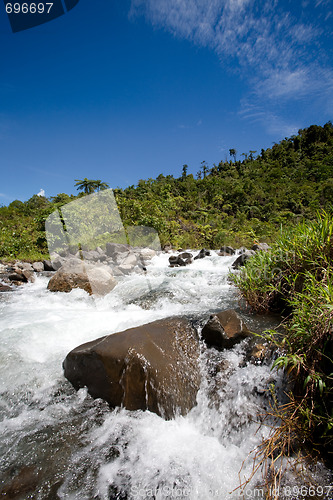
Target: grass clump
[[296, 277]]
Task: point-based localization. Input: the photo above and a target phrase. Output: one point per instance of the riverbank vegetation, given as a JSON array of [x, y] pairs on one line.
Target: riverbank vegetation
[[296, 278], [231, 203]]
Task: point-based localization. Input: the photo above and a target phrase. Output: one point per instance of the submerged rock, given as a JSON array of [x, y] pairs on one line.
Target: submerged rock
[[77, 274], [225, 329], [152, 367], [183, 259]]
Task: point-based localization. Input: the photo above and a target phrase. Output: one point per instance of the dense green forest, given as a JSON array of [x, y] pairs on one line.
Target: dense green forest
[[234, 202]]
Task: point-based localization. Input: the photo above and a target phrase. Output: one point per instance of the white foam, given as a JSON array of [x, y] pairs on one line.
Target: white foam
[[133, 451]]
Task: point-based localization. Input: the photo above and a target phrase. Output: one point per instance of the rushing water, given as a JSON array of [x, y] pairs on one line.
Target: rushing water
[[60, 443]]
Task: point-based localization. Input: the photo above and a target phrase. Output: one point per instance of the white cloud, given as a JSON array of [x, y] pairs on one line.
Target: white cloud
[[276, 126], [276, 53], [41, 192]]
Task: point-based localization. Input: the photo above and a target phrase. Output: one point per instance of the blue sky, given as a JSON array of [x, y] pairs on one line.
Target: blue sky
[[122, 90]]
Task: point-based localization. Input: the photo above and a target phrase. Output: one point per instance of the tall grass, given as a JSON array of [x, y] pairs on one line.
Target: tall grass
[[296, 277]]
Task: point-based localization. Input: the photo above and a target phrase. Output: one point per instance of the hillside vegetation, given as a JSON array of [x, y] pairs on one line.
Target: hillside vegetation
[[234, 202]]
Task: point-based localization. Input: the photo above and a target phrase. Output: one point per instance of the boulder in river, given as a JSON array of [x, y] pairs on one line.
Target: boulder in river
[[182, 259], [202, 254], [5, 288], [48, 265], [225, 329], [38, 267], [77, 274], [226, 251], [242, 258], [152, 367]]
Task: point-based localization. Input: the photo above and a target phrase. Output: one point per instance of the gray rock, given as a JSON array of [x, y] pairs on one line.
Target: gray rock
[[76, 274], [202, 254], [58, 262], [48, 266], [128, 260], [38, 267], [115, 248], [225, 251], [242, 258], [260, 247], [146, 253], [25, 266]]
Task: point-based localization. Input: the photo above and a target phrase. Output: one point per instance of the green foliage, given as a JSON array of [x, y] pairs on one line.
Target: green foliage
[[90, 186], [297, 276], [232, 202]]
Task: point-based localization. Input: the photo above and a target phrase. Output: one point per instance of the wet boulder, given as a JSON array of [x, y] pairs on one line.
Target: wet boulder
[[152, 367], [226, 251], [225, 329], [183, 259], [21, 276], [260, 247], [202, 254], [242, 259], [97, 279]]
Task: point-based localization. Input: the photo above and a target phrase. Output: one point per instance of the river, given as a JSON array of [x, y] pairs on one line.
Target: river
[[66, 445]]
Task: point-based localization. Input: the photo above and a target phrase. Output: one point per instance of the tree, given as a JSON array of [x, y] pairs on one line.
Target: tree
[[233, 152], [100, 186], [89, 186], [204, 168], [184, 172]]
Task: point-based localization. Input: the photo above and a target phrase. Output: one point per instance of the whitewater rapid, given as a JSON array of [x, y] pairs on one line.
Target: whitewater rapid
[[76, 447]]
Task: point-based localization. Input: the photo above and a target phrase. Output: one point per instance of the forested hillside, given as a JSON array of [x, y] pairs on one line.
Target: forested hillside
[[234, 202]]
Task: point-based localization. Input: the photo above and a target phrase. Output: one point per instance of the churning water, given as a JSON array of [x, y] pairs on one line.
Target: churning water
[[60, 443]]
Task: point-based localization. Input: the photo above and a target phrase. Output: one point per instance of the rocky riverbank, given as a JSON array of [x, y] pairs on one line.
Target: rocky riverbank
[[96, 271]]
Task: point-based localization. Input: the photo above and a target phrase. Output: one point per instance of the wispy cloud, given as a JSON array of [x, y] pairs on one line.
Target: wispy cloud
[[275, 124], [276, 52]]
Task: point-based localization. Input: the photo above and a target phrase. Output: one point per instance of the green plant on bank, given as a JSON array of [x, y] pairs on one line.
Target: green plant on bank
[[296, 277]]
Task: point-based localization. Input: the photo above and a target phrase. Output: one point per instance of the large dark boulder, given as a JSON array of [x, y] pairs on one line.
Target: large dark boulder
[[77, 274], [225, 329], [151, 367]]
